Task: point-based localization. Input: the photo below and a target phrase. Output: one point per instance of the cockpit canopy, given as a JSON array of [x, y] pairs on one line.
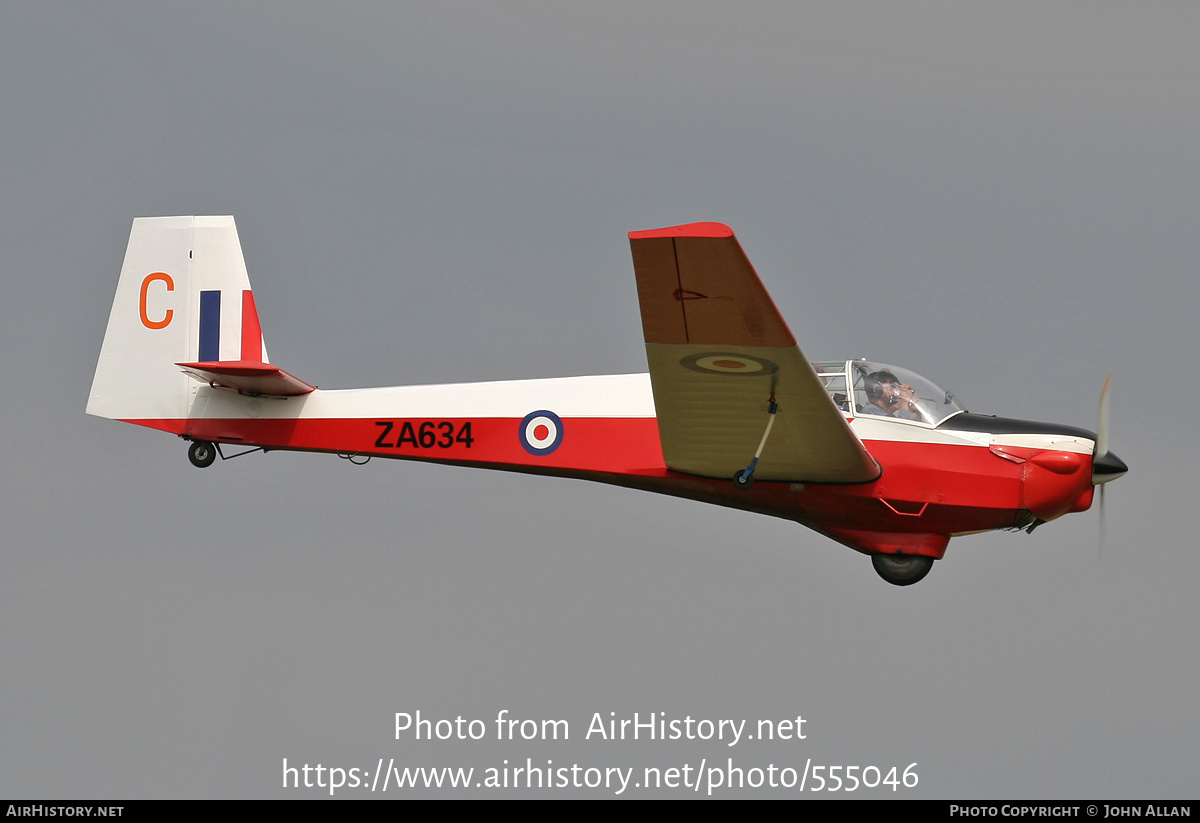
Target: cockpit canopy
[[860, 387]]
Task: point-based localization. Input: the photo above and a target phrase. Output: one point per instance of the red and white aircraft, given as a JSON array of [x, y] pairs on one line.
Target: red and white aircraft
[[731, 413]]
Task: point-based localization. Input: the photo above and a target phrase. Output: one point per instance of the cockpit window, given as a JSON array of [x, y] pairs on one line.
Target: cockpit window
[[860, 387], [833, 377]]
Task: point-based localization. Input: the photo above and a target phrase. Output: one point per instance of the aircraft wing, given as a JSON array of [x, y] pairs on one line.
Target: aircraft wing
[[246, 377], [718, 349]]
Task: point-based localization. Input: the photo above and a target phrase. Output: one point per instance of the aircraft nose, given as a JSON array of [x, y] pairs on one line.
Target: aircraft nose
[[1107, 467]]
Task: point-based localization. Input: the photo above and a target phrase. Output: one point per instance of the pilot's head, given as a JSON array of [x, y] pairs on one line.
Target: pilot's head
[[877, 383]]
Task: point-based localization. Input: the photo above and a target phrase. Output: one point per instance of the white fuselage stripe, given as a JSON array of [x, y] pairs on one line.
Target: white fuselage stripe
[[613, 395], [870, 428], [616, 395]]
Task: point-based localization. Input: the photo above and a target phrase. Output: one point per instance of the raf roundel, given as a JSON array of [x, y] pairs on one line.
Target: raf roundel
[[541, 432], [740, 365]]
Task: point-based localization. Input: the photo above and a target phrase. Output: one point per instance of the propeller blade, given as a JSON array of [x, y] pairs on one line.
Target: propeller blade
[[1106, 466], [1102, 425]]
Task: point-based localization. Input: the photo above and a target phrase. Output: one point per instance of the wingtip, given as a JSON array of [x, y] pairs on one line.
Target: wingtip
[[686, 230]]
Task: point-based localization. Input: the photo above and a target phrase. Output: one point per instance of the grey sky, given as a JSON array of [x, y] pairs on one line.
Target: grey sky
[[440, 193]]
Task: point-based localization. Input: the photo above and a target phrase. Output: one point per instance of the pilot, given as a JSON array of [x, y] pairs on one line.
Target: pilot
[[888, 397]]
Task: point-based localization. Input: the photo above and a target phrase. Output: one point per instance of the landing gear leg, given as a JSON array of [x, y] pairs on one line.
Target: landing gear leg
[[202, 453], [901, 569]]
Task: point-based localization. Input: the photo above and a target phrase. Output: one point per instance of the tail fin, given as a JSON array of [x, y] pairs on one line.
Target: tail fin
[[183, 296]]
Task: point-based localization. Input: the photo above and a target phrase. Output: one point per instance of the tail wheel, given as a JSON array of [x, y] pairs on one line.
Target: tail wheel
[[202, 453], [901, 569]]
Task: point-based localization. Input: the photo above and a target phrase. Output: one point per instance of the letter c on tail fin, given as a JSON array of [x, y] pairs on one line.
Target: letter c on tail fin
[[146, 321]]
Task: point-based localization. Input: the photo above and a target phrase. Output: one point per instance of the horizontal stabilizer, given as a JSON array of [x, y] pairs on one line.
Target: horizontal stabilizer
[[247, 377]]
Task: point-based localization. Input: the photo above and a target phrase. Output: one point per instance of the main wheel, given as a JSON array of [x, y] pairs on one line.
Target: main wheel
[[743, 482], [901, 569], [202, 453]]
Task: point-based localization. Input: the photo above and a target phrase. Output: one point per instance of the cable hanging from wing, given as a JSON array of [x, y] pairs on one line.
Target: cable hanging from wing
[[745, 479]]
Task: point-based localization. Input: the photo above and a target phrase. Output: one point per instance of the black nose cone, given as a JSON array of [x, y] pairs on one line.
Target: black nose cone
[[1107, 467]]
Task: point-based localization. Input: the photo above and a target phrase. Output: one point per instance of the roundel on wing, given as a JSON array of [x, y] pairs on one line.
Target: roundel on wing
[[740, 365], [541, 432]]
